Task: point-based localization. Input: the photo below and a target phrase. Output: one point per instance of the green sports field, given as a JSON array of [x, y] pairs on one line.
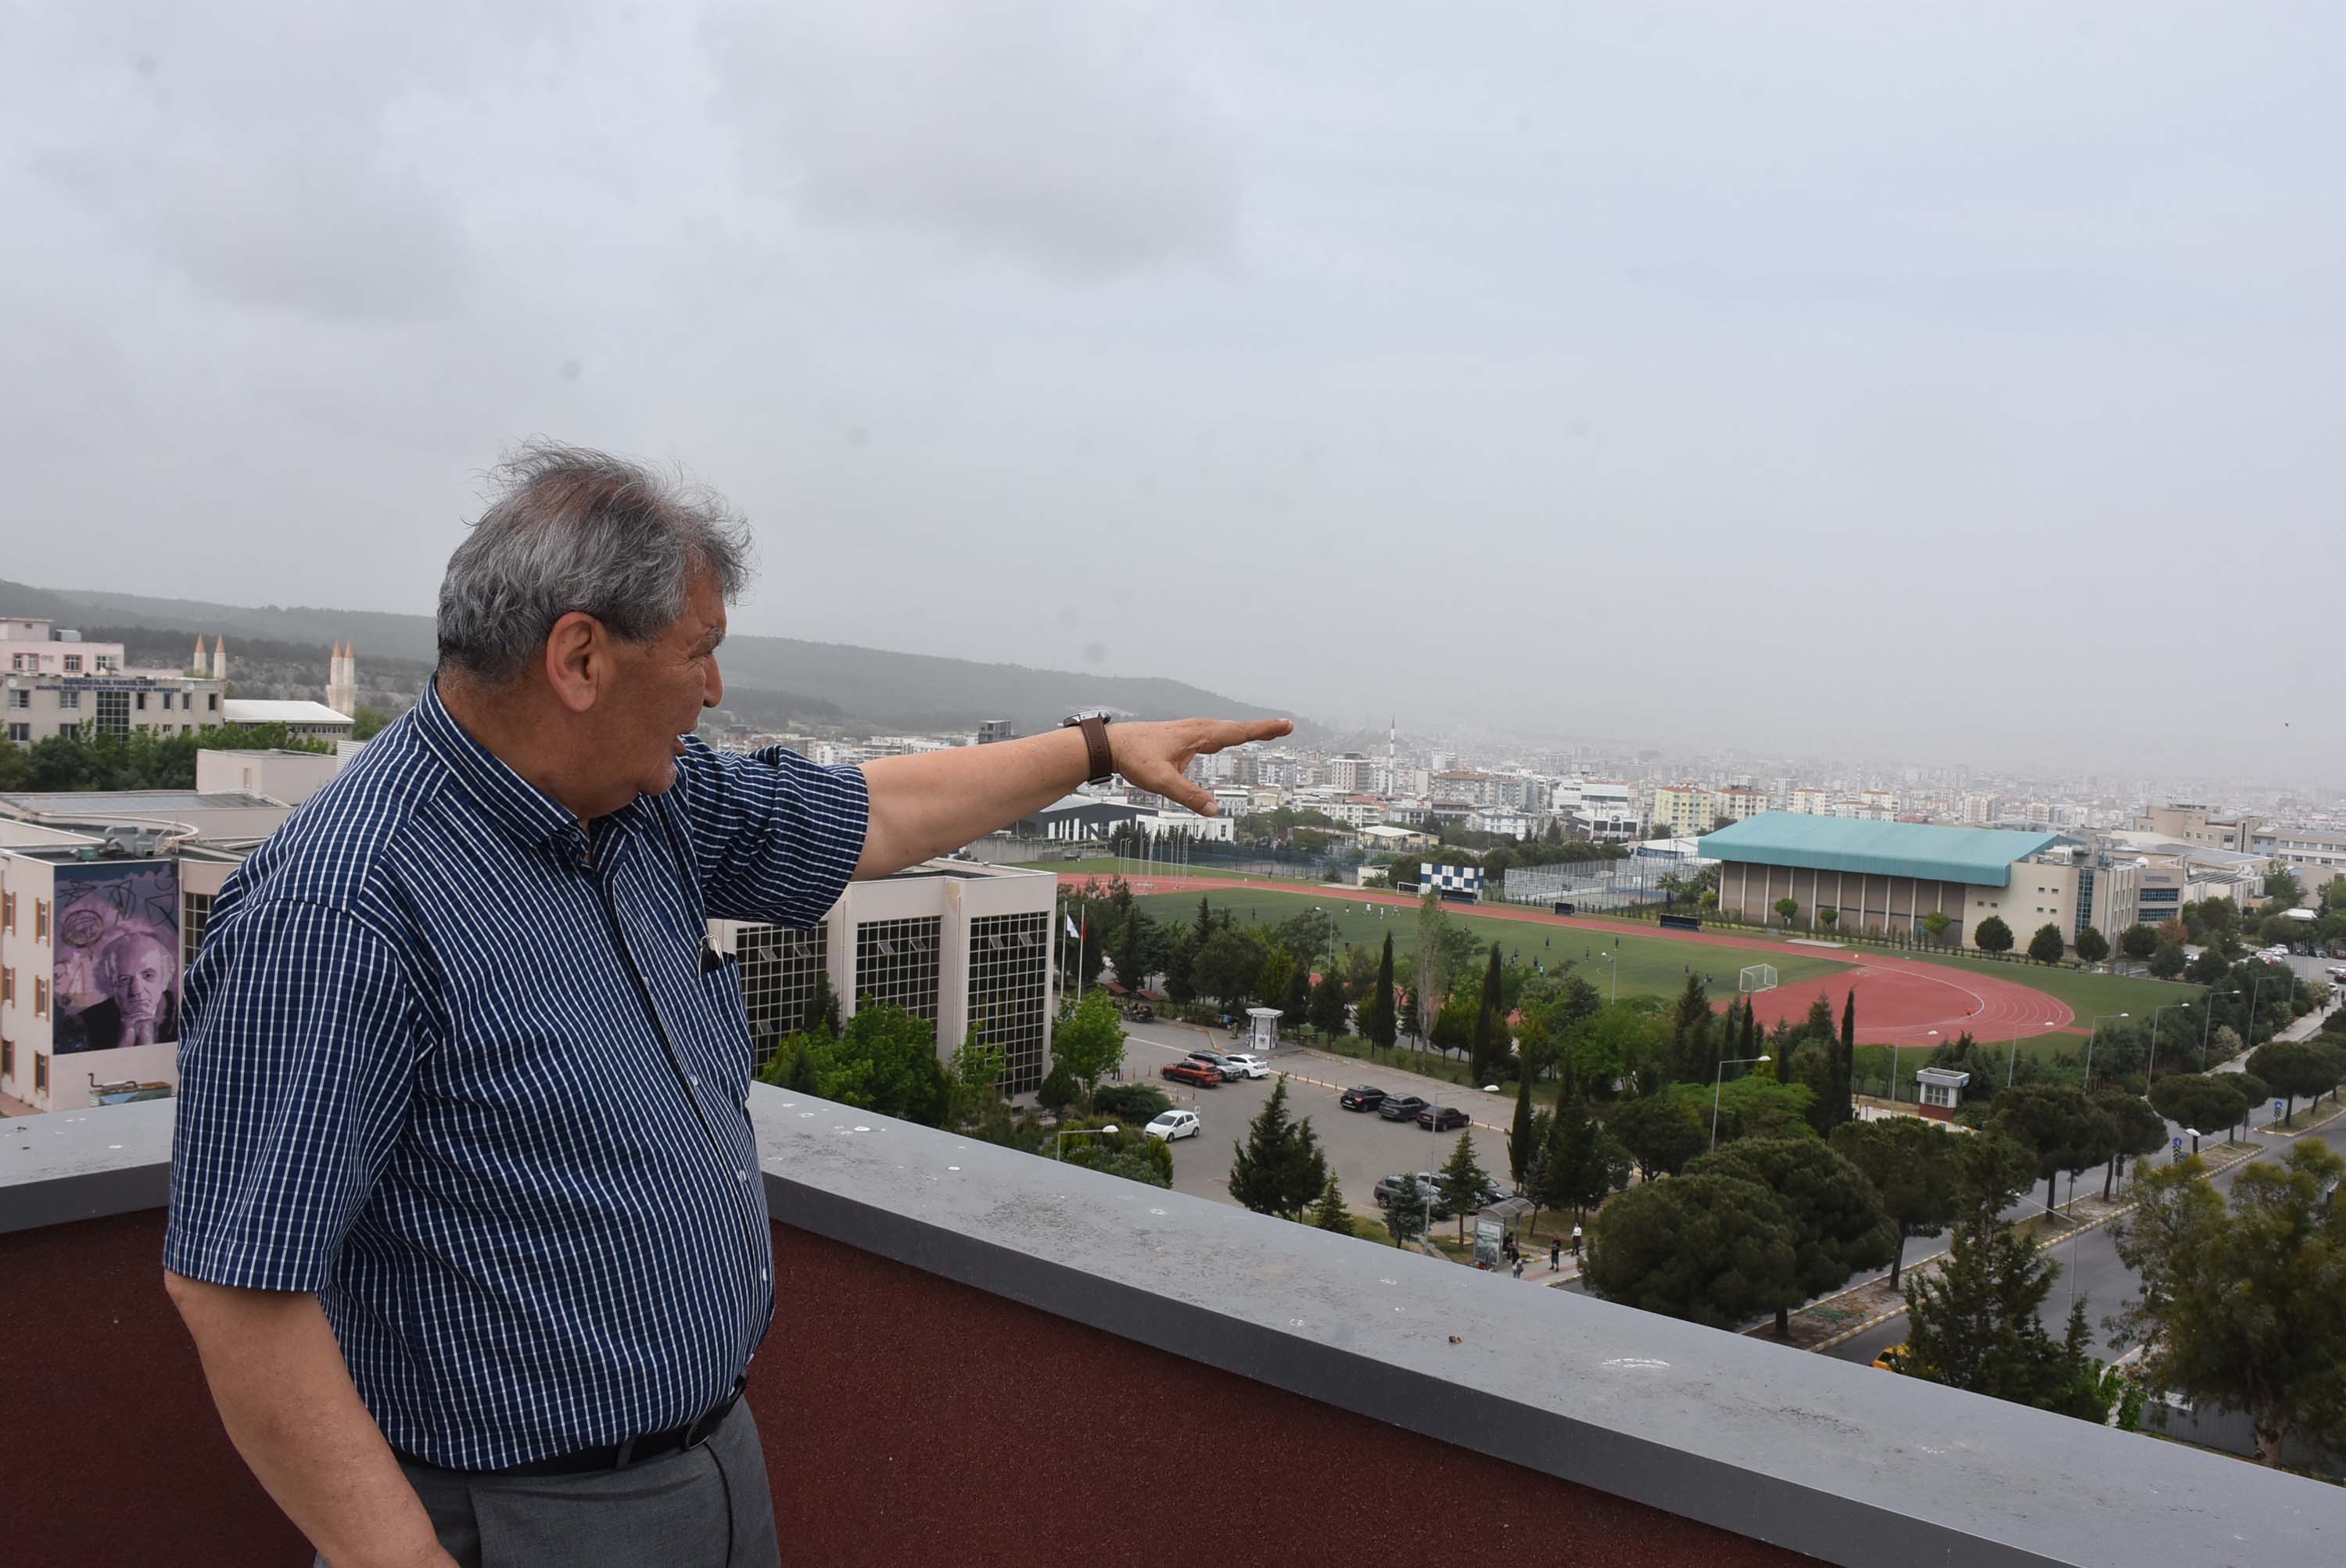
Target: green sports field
[[1648, 965]]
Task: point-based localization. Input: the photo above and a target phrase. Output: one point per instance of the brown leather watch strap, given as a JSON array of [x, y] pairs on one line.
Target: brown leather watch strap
[[1101, 765]]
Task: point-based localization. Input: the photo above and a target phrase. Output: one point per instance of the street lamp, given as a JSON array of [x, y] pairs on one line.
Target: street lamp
[[2093, 1034], [2070, 1267], [1058, 1147], [1607, 957], [1718, 1078], [2012, 1062]]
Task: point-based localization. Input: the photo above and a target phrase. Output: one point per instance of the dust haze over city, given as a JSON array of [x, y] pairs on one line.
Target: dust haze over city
[[1935, 384]]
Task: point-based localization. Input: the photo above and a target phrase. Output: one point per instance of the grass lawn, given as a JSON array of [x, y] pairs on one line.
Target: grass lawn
[[1649, 966]]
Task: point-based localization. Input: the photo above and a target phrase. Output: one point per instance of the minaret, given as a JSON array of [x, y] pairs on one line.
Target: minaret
[[219, 657], [342, 680], [201, 664]]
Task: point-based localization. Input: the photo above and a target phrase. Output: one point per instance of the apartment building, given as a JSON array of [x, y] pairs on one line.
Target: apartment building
[[54, 683]]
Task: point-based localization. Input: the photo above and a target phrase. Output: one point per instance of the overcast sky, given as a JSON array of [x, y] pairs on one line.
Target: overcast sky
[[1954, 380]]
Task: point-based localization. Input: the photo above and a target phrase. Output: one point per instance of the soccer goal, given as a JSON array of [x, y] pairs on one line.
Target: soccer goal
[[1757, 977]]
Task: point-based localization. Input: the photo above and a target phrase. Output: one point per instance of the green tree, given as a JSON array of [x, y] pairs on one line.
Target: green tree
[[1786, 908], [1330, 1212], [1327, 1006], [1058, 1090], [1180, 968], [1712, 1249], [369, 721], [1621, 1046], [1461, 1180], [2200, 1102], [1411, 1024], [821, 1017], [2135, 1129], [2047, 946], [2166, 961], [1660, 1134], [1087, 1039], [1453, 1028], [1841, 1108], [1135, 1104], [1434, 925], [2282, 889], [1490, 1024], [2091, 945], [2292, 1068], [1749, 1107], [1837, 1223], [2209, 968], [2245, 1305], [1973, 1322], [1581, 1164], [2059, 1126], [1405, 1222], [1521, 1151], [1827, 917], [1274, 981], [1936, 922], [2138, 941], [1280, 1170], [884, 1060], [1229, 966], [1138, 948], [1913, 1165], [1992, 935], [1378, 1016]]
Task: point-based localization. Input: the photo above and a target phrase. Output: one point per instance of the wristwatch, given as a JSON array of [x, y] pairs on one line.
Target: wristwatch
[[1095, 728]]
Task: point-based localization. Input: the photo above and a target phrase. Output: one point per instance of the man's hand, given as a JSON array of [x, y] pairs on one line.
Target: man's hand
[[1153, 756], [933, 801]]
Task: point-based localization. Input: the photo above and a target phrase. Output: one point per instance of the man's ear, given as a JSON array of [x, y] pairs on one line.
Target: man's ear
[[577, 660]]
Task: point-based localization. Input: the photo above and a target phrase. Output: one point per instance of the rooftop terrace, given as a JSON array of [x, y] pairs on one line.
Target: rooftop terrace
[[980, 1355]]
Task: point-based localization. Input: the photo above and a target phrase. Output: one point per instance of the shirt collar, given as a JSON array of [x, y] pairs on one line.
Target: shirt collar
[[511, 801]]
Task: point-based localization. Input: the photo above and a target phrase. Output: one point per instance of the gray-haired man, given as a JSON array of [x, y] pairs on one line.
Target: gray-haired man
[[464, 1216]]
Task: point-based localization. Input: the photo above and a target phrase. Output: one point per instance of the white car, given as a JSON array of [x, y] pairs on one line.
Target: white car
[[1171, 1124], [1248, 1063]]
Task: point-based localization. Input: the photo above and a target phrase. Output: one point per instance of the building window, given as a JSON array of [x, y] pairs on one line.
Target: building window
[[25, 663], [1009, 970], [211, 701], [142, 701], [779, 967], [896, 961], [69, 698], [7, 1057], [40, 920], [20, 732], [195, 914], [20, 699], [40, 996], [103, 662], [114, 714], [9, 984], [9, 913], [73, 664], [40, 1072]]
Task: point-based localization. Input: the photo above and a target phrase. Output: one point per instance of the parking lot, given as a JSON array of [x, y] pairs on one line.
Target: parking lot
[[1360, 1147]]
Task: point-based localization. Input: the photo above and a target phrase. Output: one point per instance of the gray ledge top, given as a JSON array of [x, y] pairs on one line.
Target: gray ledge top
[[1820, 1456]]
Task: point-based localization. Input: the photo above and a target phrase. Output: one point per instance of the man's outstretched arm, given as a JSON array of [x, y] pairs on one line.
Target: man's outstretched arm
[[934, 801]]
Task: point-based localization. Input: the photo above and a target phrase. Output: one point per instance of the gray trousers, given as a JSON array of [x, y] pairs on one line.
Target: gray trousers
[[709, 1507]]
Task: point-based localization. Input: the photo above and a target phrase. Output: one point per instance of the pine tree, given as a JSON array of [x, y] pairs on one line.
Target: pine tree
[[1844, 1107], [822, 1008], [1461, 1180], [1576, 1173], [1488, 1026], [1377, 1018], [801, 1077], [1520, 1147], [1327, 1009], [1330, 1212], [1205, 928], [1280, 1168]]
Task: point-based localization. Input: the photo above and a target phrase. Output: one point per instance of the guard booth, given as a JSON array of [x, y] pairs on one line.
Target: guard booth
[[1262, 1029], [1939, 1091]]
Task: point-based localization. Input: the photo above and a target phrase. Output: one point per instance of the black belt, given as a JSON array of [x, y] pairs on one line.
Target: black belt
[[619, 1455]]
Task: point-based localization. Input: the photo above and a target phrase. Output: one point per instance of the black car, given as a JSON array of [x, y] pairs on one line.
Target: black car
[[1362, 1097], [1399, 1107], [1441, 1118], [1417, 1191]]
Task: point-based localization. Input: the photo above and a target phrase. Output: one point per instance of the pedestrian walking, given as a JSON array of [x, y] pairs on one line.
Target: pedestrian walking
[[1519, 1266], [1576, 1242], [1556, 1255]]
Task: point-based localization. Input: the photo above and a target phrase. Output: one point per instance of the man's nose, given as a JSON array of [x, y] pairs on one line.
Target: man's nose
[[713, 687]]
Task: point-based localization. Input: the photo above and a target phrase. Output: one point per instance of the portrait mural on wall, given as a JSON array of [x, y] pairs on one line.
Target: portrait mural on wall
[[118, 955]]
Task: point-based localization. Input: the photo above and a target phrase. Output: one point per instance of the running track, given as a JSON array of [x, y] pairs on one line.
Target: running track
[[1902, 1002]]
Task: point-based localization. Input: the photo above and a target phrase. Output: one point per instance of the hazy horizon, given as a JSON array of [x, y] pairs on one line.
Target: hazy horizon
[[1951, 382]]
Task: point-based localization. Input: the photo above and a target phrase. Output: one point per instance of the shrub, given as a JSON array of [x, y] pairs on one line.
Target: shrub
[[1134, 1104]]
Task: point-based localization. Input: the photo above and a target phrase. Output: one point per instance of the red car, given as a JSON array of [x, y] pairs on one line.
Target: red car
[[1188, 1072]]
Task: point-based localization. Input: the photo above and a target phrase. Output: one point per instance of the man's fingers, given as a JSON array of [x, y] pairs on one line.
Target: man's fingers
[[1223, 733]]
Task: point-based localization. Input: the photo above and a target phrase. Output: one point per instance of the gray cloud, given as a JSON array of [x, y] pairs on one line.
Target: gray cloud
[[1066, 135]]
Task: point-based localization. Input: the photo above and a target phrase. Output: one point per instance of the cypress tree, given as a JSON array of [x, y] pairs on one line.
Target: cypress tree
[[1520, 1147], [1845, 1064], [1486, 1021], [1378, 1017]]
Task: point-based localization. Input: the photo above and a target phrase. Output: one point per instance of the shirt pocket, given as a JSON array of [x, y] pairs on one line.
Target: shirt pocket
[[727, 1015]]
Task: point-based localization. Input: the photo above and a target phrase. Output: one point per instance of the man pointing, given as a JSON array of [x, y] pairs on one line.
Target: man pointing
[[464, 1216]]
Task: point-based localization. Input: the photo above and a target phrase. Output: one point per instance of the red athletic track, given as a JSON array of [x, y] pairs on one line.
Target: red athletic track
[[1900, 1001]]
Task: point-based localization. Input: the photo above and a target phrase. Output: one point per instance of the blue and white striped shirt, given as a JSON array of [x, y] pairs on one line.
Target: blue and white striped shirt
[[478, 1089]]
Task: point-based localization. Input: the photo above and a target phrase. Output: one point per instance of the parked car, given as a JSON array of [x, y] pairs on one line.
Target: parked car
[[1173, 1125], [1441, 1118], [1418, 1191], [1401, 1107], [1220, 1064], [1198, 1073], [1248, 1063], [1362, 1097]]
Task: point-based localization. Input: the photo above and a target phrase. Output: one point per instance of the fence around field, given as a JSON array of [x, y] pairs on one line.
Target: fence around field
[[1641, 882]]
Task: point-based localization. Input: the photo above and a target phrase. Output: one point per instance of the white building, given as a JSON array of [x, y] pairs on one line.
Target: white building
[[291, 776], [53, 683], [303, 719]]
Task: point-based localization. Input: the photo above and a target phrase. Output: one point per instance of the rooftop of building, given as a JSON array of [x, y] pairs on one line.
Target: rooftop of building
[[74, 805], [1979, 856], [276, 711], [959, 1324]]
